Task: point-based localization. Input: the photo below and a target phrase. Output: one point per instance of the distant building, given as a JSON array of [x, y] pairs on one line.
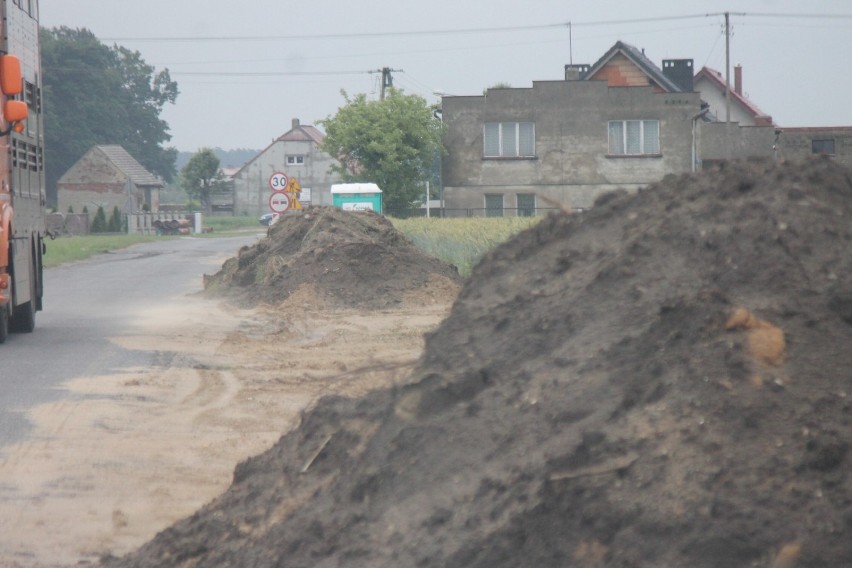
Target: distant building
[[713, 86], [108, 177], [620, 123], [295, 153]]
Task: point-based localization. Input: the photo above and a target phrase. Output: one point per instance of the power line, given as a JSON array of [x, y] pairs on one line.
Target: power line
[[264, 73], [558, 25], [409, 33]]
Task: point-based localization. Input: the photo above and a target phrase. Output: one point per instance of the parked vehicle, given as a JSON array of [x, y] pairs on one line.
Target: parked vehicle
[[22, 191], [267, 218]]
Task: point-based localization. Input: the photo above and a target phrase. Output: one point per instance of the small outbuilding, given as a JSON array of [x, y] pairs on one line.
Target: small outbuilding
[[357, 197], [108, 176]]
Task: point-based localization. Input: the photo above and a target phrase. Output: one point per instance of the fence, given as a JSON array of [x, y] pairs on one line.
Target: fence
[[469, 212], [160, 223]]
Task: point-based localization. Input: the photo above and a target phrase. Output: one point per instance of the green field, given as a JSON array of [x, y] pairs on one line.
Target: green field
[[461, 242]]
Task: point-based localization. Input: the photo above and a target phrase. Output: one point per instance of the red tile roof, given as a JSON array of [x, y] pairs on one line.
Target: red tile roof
[[718, 79]]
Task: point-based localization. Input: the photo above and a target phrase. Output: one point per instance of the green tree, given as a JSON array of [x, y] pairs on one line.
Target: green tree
[[99, 223], [95, 94], [391, 142], [115, 225], [201, 175]]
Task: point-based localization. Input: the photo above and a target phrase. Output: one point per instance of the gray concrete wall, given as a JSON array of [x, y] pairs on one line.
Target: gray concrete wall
[[715, 139], [796, 143], [571, 119]]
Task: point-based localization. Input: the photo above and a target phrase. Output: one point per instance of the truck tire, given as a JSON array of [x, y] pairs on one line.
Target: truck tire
[[23, 318], [4, 323]]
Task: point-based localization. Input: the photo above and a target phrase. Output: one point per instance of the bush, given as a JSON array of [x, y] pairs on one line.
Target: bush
[[115, 224], [99, 223]]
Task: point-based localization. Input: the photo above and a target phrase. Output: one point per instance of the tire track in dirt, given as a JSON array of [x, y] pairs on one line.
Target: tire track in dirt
[[125, 455]]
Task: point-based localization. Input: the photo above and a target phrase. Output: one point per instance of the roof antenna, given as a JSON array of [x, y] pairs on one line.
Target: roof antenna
[[570, 45]]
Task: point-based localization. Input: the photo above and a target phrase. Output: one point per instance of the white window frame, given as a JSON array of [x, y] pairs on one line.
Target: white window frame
[[508, 140], [295, 160], [618, 142]]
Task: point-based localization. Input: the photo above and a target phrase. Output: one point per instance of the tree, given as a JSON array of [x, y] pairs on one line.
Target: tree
[[99, 223], [391, 142], [201, 175], [95, 94], [115, 224]]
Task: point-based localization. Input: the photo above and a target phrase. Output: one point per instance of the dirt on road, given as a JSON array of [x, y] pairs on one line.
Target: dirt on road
[[661, 381], [123, 457]]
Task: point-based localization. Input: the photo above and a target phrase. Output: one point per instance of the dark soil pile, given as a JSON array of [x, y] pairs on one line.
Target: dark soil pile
[[349, 259], [663, 381]]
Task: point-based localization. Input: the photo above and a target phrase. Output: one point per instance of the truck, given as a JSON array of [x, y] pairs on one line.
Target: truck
[[22, 185]]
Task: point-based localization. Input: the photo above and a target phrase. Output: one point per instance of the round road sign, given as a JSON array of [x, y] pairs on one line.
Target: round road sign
[[278, 181], [279, 202]]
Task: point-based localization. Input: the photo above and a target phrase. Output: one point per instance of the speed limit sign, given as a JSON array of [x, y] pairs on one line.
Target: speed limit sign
[[278, 181], [279, 202]]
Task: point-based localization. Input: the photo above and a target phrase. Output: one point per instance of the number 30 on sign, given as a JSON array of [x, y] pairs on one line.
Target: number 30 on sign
[[278, 181]]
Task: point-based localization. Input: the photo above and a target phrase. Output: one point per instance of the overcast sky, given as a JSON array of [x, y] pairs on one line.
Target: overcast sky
[[246, 68]]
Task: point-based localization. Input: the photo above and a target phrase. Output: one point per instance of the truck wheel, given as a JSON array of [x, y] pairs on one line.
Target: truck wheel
[[23, 319], [4, 323]]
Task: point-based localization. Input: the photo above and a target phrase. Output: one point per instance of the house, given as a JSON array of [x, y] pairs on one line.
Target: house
[[714, 88], [295, 153], [108, 177], [622, 122]]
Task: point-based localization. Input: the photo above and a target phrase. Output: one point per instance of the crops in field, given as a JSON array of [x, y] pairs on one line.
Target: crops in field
[[461, 242]]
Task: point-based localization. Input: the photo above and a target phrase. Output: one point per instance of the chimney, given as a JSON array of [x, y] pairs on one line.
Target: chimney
[[738, 79], [295, 123], [679, 72], [576, 72]]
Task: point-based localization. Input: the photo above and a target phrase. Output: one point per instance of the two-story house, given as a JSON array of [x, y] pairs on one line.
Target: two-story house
[[295, 153], [622, 122]]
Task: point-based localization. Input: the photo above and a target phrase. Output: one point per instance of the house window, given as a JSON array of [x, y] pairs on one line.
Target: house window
[[526, 204], [295, 160], [509, 140], [493, 204], [634, 137], [823, 146]]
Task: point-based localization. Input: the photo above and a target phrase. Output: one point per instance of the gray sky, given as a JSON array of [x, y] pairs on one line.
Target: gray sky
[[296, 57]]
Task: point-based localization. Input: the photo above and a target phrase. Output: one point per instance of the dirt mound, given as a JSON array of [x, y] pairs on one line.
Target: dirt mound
[[349, 259], [662, 381]]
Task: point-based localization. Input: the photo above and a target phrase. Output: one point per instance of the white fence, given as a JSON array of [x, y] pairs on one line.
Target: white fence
[[154, 223]]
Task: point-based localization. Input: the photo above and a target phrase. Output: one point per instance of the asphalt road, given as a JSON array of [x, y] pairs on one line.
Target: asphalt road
[[86, 303]]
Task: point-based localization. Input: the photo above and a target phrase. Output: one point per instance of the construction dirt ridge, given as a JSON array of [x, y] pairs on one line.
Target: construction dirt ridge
[[662, 381], [344, 260]]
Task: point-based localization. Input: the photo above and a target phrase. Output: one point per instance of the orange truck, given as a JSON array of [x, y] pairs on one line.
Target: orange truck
[[22, 188]]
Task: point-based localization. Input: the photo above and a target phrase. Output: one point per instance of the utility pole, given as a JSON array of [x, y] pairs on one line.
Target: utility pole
[[387, 78], [728, 85]]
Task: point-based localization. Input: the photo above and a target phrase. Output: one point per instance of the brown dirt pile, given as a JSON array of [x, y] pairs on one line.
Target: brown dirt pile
[[348, 259], [595, 398]]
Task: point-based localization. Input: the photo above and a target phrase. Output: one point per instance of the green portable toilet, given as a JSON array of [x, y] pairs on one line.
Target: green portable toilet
[[357, 197]]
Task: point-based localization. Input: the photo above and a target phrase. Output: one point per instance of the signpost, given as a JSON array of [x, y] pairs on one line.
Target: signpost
[[285, 193]]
